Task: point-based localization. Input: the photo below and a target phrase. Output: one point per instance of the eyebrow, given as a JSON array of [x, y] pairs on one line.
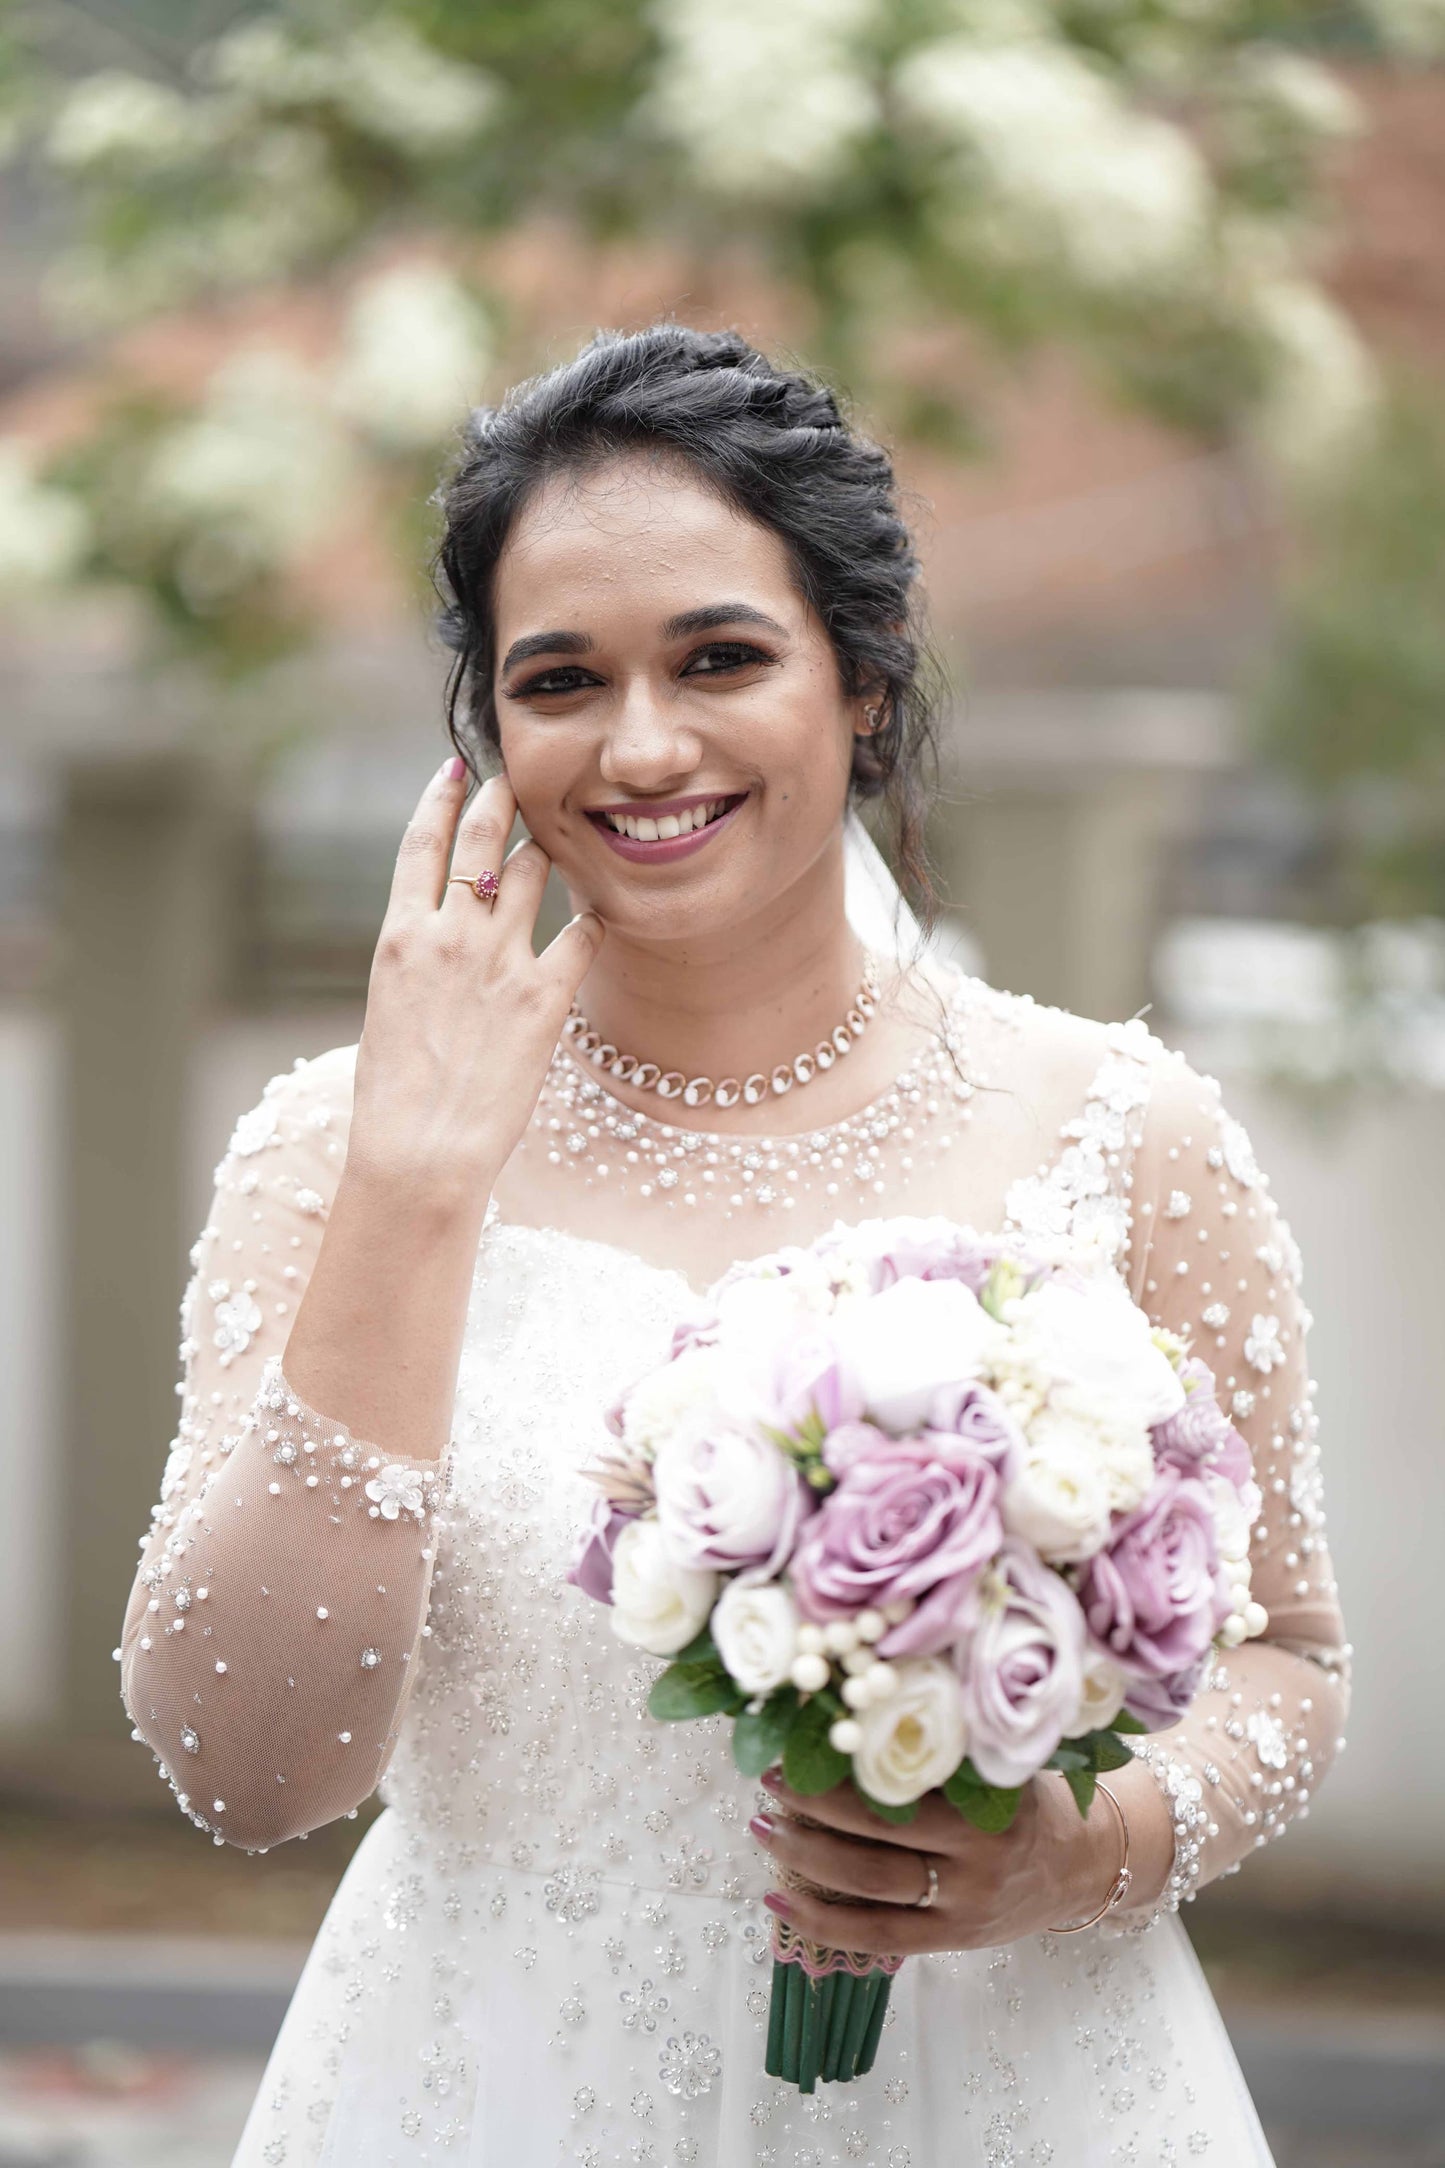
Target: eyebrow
[[705, 619]]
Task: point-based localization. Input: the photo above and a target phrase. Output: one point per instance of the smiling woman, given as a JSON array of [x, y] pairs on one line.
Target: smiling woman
[[679, 591]]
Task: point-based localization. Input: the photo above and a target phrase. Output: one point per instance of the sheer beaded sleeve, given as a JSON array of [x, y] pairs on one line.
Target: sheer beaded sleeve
[[272, 1630], [1213, 1259]]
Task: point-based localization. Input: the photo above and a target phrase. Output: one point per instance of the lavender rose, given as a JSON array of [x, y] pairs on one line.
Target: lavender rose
[[591, 1570], [1155, 1595], [728, 1500], [977, 1415], [1199, 1435], [1020, 1661], [911, 1519], [1158, 1703]]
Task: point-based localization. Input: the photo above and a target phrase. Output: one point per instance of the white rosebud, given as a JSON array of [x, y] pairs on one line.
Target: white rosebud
[[755, 1626], [809, 1673], [855, 1693], [1232, 1632], [839, 1636], [810, 1640], [858, 1661], [1256, 1619], [846, 1735], [916, 1738], [656, 1605], [882, 1681], [871, 1625], [1102, 1695]]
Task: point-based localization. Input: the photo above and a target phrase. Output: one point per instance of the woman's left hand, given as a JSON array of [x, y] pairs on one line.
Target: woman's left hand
[[1050, 1867]]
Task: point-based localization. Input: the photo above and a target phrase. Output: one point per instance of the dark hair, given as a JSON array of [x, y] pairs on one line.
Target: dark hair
[[775, 444]]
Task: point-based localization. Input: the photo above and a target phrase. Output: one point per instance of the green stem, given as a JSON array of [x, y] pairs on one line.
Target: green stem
[[875, 2023], [777, 2016], [793, 2025]]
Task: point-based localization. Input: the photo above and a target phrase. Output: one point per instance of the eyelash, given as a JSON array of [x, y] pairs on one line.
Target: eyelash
[[742, 649]]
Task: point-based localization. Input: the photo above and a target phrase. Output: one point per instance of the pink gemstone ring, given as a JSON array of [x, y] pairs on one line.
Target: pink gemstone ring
[[484, 884]]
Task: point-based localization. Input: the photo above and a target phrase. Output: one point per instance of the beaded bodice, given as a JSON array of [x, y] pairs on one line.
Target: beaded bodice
[[308, 1616]]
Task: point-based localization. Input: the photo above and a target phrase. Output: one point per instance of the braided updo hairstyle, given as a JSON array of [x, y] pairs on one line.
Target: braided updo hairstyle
[[770, 441]]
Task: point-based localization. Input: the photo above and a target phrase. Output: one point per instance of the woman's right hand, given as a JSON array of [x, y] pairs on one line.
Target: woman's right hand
[[462, 1018]]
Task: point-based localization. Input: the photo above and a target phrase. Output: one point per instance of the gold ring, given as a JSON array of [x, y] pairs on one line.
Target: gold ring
[[930, 1895], [484, 884]]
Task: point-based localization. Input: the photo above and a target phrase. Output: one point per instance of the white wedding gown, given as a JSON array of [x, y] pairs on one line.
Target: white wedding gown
[[551, 1946]]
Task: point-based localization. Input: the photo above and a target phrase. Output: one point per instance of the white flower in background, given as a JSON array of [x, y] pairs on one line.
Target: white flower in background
[[44, 532], [1293, 93], [1325, 393], [916, 1737], [656, 1605], [396, 87], [415, 349], [1065, 165], [1093, 1342], [755, 1627], [1413, 27], [114, 118], [246, 484], [762, 96], [1102, 1697], [911, 1342], [383, 78]]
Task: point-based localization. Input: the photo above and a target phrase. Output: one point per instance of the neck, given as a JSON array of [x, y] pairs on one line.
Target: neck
[[755, 993]]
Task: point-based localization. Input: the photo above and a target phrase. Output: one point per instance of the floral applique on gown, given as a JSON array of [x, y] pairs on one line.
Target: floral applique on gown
[[551, 1945]]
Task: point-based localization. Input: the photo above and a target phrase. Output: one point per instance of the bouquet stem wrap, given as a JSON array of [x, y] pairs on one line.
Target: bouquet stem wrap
[[827, 2010]]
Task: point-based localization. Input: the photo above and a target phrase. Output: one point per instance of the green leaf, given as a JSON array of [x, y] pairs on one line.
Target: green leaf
[[1107, 1752], [686, 1690], [1070, 1754], [907, 1813], [759, 1735], [811, 1763], [1126, 1720], [1081, 1783], [989, 1807], [703, 1650]]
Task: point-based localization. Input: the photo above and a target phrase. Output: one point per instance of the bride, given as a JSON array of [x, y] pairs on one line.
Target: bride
[[682, 605]]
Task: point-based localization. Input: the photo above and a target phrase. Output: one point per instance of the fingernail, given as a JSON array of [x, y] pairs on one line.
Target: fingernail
[[778, 1904], [771, 1780], [762, 1827], [454, 769]]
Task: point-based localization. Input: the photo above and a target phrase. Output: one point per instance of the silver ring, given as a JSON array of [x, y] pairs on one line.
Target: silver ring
[[930, 1895]]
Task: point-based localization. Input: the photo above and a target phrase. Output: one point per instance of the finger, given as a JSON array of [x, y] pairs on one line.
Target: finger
[[421, 858], [566, 960], [481, 841], [874, 1930], [937, 1827], [886, 1873], [524, 880]]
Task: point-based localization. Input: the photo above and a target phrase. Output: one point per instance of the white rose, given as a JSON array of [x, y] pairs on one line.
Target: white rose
[[1094, 1338], [656, 1605], [679, 1401], [1102, 1697], [1120, 1441], [911, 1341], [1059, 1500], [756, 1631], [917, 1737]]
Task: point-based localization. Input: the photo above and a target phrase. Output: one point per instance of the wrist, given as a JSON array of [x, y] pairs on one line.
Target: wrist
[[409, 1192], [1097, 1855]]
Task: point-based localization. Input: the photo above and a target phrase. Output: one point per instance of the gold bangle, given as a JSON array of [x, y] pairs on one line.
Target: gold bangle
[[1121, 1880]]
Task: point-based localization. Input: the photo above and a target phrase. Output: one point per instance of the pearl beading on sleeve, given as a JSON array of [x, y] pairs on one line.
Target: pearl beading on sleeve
[[1213, 1260]]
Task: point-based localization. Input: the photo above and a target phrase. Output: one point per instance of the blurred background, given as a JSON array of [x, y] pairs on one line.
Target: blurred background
[[1148, 297]]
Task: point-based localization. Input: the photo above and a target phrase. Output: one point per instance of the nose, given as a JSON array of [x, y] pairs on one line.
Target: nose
[[648, 743]]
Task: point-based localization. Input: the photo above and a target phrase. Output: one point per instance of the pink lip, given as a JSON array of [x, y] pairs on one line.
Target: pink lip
[[669, 847]]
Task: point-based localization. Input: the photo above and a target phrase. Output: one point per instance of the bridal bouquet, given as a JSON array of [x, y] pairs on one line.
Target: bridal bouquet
[[917, 1508]]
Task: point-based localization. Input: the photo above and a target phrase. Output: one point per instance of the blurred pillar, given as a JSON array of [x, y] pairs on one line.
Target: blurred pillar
[[148, 859], [1057, 812]]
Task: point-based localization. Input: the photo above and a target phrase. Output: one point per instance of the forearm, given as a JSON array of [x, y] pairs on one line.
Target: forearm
[[377, 1338]]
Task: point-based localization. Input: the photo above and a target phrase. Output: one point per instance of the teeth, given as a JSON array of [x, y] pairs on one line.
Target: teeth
[[643, 830]]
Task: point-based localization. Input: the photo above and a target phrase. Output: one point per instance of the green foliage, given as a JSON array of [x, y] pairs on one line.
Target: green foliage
[[686, 1690], [760, 1735], [811, 1763], [990, 1807], [1353, 702]]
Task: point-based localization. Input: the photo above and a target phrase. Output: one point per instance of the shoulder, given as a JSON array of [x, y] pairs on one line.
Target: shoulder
[[1050, 1053], [303, 1112]]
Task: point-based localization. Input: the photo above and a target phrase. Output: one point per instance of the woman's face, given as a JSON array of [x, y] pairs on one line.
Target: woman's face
[[655, 660]]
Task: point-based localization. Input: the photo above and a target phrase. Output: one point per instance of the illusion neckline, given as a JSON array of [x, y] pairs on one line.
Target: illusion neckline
[[964, 985]]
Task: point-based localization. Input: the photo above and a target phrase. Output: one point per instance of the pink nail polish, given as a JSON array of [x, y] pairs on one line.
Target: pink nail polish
[[762, 1827], [771, 1780], [778, 1904], [454, 769]]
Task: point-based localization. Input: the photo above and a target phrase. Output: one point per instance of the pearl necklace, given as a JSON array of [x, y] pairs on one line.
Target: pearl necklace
[[700, 1091], [587, 1128]]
